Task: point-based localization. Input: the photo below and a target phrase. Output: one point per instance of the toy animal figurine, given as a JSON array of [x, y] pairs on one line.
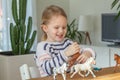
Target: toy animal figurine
[[60, 70], [87, 66], [117, 59], [73, 59]]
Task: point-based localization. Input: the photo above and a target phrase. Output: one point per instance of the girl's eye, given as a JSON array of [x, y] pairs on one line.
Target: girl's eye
[[64, 27], [56, 27]]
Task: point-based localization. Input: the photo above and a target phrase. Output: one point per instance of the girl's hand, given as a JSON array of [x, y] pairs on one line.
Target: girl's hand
[[84, 56], [72, 49]]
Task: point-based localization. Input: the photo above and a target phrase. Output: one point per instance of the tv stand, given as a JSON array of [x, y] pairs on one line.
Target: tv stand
[[116, 44]]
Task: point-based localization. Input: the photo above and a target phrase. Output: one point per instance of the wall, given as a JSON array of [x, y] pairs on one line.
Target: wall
[[75, 8], [42, 4], [94, 8]]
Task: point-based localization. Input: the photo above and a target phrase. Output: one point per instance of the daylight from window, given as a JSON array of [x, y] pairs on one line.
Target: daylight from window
[[6, 19], [0, 25]]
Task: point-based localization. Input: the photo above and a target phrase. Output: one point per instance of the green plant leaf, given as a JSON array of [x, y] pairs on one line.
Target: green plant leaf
[[73, 33], [117, 15], [114, 3], [19, 32], [117, 4], [14, 11], [29, 28]]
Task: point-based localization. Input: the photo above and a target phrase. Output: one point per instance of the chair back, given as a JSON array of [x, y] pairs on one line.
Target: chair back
[[27, 72]]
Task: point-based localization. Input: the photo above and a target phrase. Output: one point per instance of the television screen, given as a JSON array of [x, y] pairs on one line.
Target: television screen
[[110, 28]]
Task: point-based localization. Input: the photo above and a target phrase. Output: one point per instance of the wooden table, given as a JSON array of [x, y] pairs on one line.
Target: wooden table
[[104, 74]]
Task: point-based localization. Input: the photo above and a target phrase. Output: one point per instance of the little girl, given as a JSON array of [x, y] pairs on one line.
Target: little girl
[[55, 49]]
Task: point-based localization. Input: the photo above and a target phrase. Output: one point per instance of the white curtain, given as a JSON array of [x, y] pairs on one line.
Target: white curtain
[[5, 24], [7, 18]]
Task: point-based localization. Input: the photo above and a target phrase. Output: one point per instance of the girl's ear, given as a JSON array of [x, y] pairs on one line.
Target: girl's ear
[[44, 28]]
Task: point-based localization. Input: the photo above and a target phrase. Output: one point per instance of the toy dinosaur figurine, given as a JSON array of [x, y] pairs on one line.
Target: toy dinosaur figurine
[[73, 59], [117, 59]]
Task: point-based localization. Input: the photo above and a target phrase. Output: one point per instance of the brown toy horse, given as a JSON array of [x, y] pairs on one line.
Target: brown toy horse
[[73, 59], [117, 59]]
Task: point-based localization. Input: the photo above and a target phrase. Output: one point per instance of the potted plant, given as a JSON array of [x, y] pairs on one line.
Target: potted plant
[[22, 39], [73, 33], [116, 3]]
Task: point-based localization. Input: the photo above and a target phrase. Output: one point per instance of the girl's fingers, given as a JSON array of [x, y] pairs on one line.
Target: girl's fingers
[[81, 59]]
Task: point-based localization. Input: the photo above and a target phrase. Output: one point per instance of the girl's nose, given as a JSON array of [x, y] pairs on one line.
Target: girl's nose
[[61, 30]]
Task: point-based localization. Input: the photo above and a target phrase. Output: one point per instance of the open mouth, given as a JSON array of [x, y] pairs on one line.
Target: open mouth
[[60, 36]]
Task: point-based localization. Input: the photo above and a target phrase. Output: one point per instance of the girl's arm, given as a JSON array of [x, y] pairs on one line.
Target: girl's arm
[[46, 61]]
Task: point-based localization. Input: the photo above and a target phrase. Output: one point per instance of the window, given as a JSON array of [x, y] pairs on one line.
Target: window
[[0, 32], [6, 18], [1, 27]]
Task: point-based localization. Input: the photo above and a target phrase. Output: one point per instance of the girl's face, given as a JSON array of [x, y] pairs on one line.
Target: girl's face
[[56, 29]]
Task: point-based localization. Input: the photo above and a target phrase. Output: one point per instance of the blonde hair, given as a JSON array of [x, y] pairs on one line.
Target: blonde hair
[[48, 13]]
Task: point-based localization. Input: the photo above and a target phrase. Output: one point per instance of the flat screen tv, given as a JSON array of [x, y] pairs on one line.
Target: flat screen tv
[[110, 28]]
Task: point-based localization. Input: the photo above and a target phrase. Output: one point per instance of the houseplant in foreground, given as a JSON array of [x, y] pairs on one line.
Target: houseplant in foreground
[[22, 40], [21, 35], [73, 33]]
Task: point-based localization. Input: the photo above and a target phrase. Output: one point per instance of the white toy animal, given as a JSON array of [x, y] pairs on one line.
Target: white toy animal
[[87, 66], [60, 70]]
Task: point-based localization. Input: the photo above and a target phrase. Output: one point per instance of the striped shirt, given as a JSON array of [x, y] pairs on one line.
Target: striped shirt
[[51, 54]]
